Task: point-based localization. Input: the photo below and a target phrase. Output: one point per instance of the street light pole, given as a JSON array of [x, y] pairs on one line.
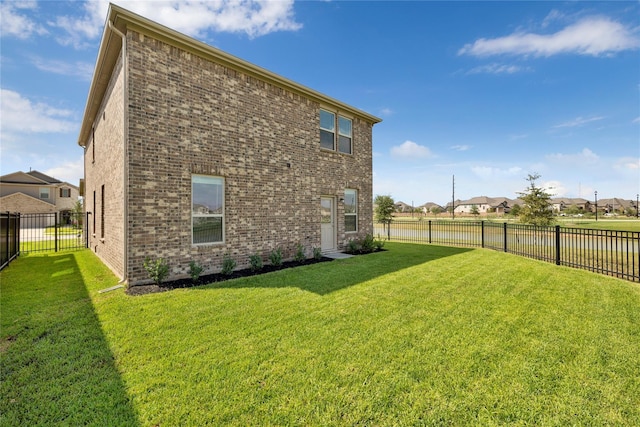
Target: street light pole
[[637, 208], [596, 194]]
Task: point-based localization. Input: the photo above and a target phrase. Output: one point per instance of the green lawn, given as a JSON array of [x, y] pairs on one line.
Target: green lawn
[[417, 335]]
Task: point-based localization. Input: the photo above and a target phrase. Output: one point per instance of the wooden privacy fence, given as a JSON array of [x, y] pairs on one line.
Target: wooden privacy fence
[[614, 253]]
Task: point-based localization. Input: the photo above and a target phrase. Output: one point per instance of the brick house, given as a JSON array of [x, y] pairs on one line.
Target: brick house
[[191, 154], [35, 192]]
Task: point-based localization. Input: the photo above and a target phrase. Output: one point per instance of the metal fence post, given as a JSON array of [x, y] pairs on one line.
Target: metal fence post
[[482, 234], [429, 231], [8, 228], [557, 245], [504, 228], [55, 226]]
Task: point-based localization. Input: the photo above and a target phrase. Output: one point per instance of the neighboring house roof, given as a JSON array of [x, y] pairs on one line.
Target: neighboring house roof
[[32, 178], [616, 203], [430, 205], [110, 48]]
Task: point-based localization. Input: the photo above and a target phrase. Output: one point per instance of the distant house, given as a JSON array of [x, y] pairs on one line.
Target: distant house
[[560, 204], [191, 154], [484, 205], [427, 208], [616, 206], [402, 207], [35, 192]]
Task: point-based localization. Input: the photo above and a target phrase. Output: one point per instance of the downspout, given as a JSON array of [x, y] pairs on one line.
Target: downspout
[[125, 153]]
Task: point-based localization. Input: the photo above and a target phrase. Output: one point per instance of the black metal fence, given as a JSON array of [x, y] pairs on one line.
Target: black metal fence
[[10, 237], [52, 231], [614, 253]]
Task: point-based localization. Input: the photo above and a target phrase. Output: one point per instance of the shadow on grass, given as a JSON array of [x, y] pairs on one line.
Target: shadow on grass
[[324, 278], [57, 367]]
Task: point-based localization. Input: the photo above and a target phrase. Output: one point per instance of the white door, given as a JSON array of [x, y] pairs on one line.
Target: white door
[[328, 224]]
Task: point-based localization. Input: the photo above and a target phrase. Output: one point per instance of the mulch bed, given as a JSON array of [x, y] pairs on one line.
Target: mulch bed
[[206, 279]]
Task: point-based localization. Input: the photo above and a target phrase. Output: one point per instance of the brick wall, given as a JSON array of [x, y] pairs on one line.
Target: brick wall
[[188, 115], [103, 163]]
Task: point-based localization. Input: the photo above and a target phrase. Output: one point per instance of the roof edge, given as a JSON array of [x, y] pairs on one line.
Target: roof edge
[[110, 47]]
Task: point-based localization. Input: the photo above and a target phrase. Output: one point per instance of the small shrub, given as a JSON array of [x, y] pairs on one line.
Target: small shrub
[[353, 247], [367, 245], [228, 265], [379, 244], [300, 256], [158, 270], [195, 270], [317, 253], [276, 257], [255, 261]]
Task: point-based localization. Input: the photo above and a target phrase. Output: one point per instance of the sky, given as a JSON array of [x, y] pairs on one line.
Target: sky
[[486, 92]]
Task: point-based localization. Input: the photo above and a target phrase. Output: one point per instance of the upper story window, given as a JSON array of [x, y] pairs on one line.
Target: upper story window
[[65, 192], [44, 193], [207, 209], [344, 135], [328, 125]]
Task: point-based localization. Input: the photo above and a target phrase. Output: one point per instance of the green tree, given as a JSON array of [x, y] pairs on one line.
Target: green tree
[[78, 214], [475, 211], [537, 204], [515, 210], [572, 210], [436, 210], [384, 209]]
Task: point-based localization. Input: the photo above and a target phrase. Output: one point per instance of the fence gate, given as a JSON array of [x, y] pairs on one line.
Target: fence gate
[[52, 231]]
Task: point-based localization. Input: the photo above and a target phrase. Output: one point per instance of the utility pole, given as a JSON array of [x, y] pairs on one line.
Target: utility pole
[[453, 198]]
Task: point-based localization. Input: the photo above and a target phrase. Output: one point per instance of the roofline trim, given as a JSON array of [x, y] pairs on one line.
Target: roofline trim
[[123, 19]]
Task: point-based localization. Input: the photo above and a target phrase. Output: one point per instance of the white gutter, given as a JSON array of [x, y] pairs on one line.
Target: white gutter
[[125, 153]]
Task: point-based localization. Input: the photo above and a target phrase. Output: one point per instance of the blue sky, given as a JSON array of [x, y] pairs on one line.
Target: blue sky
[[486, 91]]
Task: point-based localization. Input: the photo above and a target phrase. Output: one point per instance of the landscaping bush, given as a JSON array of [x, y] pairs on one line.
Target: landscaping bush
[[255, 261], [276, 257], [195, 270], [300, 256], [228, 265], [158, 270]]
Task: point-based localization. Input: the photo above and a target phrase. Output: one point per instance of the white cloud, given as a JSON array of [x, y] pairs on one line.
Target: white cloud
[[516, 137], [592, 36], [68, 171], [628, 163], [554, 188], [13, 23], [20, 115], [83, 70], [636, 120], [386, 111], [252, 17], [410, 149], [463, 147], [496, 68], [584, 157], [578, 121], [490, 172]]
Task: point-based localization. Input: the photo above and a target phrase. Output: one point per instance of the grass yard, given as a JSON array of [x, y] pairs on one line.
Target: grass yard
[[417, 335]]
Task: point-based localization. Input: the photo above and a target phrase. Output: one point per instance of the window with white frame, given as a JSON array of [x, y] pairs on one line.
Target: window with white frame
[[327, 130], [328, 139], [44, 193], [350, 210], [344, 135], [207, 209]]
